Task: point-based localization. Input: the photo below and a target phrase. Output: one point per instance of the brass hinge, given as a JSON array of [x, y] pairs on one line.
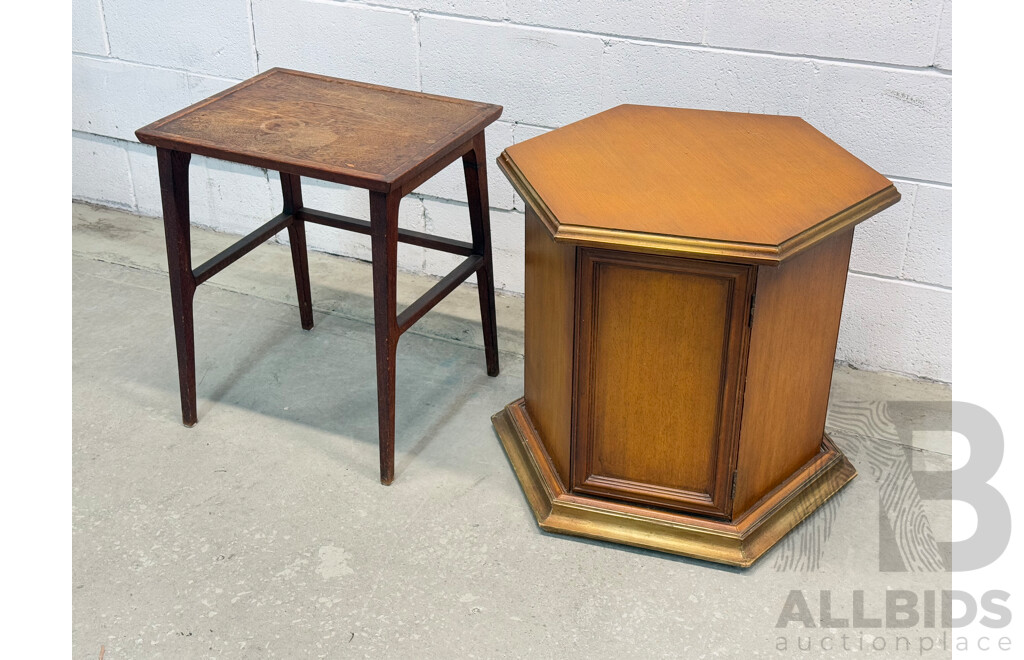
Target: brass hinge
[[732, 494]]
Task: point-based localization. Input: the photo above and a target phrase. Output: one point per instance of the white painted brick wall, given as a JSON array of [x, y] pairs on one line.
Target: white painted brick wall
[[544, 77], [355, 202], [929, 256], [494, 9], [224, 196], [901, 326], [670, 20], [100, 170], [900, 122], [891, 31], [89, 35], [522, 133], [114, 98], [875, 76], [335, 39], [507, 229], [656, 74], [142, 163], [880, 243], [450, 183], [944, 40], [204, 36]]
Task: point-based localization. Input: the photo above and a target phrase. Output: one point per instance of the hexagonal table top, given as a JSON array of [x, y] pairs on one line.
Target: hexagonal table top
[[757, 188]]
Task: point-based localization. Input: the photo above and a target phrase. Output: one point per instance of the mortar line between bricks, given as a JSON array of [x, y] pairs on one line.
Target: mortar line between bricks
[[419, 48], [162, 67], [913, 283], [705, 18], [103, 24], [910, 230], [252, 36], [689, 45], [448, 200], [529, 125], [328, 312], [938, 30], [926, 182], [375, 6]]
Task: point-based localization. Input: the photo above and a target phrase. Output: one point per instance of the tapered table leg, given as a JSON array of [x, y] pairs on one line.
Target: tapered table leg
[[173, 168], [291, 189], [474, 165], [384, 244]]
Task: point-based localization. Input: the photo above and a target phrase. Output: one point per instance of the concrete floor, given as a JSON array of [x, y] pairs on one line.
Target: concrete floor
[[263, 532]]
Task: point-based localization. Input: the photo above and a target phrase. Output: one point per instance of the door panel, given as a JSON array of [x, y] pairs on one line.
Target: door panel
[[658, 362]]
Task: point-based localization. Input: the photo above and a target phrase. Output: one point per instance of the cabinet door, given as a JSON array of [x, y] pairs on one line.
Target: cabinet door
[[659, 355]]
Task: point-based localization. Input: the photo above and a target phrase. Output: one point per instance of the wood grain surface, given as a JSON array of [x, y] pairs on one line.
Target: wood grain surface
[[738, 543], [340, 130], [658, 360], [789, 370], [708, 176], [548, 348], [382, 139]]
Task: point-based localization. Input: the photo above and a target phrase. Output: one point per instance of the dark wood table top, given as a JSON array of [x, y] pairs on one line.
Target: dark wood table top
[[746, 186], [338, 130]]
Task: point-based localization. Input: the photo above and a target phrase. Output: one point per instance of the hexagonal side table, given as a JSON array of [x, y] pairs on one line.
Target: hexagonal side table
[[685, 273]]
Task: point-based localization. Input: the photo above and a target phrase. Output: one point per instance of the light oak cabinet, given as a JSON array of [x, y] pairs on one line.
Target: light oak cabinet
[[685, 273]]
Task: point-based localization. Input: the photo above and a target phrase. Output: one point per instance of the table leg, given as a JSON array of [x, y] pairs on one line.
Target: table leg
[[173, 168], [384, 244], [291, 188], [474, 165]]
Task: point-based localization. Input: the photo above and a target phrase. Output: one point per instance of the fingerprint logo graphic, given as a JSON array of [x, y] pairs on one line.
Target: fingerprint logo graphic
[[876, 437]]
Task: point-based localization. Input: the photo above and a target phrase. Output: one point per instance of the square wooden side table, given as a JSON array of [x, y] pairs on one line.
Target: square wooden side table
[[387, 141]]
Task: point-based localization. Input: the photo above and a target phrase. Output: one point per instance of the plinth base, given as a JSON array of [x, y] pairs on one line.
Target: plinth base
[[737, 543]]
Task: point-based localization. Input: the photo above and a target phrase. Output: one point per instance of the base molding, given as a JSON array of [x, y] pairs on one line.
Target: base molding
[[737, 543]]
